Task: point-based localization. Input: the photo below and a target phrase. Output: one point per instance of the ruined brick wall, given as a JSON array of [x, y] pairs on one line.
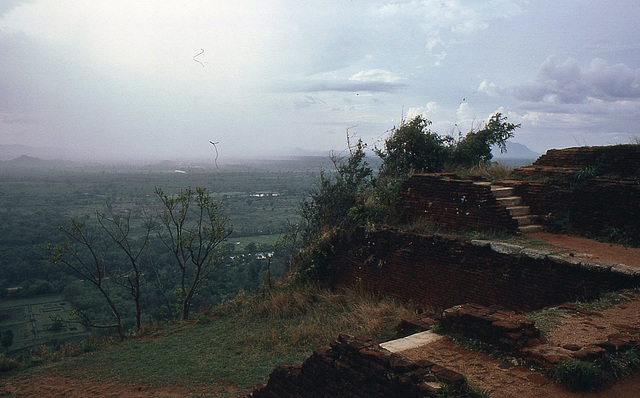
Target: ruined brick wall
[[592, 191], [443, 272], [454, 204], [357, 367], [598, 207], [621, 160]]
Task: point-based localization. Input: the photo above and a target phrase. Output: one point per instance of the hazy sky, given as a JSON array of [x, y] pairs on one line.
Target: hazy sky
[[118, 78]]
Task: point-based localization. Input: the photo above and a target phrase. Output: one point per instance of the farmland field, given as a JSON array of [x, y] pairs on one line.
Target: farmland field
[[260, 200], [33, 322]]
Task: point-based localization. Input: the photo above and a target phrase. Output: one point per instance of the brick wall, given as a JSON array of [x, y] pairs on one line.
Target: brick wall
[[592, 191], [593, 207], [358, 368], [444, 272], [454, 204], [621, 160]]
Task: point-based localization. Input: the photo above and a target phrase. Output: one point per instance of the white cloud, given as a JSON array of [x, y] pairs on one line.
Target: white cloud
[[439, 58], [376, 75], [429, 111], [570, 83]]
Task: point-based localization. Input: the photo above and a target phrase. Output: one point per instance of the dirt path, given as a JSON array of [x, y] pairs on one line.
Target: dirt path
[[593, 249], [502, 379], [51, 385]]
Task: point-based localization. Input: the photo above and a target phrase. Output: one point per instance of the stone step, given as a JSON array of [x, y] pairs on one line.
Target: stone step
[[501, 192], [510, 201], [530, 228], [519, 211], [525, 220], [411, 342]]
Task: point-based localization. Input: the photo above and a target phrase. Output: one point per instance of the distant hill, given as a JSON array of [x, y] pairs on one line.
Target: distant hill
[[8, 152], [31, 162], [515, 150]]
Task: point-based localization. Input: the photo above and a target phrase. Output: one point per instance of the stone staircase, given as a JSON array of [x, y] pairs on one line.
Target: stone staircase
[[520, 212]]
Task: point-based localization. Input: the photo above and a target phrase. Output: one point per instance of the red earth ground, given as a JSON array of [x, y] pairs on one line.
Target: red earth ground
[[497, 377]]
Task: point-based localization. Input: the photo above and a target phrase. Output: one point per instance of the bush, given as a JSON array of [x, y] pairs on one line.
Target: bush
[[7, 364], [413, 147], [335, 201], [578, 375], [475, 147]]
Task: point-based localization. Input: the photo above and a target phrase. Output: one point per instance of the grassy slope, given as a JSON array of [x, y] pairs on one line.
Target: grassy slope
[[235, 346]]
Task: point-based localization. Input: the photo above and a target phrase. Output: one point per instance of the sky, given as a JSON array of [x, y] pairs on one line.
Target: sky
[[141, 80]]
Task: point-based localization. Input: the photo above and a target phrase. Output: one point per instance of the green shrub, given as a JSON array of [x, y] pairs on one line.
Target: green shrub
[[7, 364], [413, 147], [337, 198], [578, 375]]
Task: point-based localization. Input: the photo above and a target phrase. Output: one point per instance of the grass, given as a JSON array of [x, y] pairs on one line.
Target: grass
[[605, 301], [578, 375], [240, 342], [547, 319], [589, 376], [492, 171]]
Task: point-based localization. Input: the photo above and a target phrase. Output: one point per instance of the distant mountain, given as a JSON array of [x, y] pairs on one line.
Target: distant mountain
[[8, 152], [514, 150], [31, 162], [25, 160]]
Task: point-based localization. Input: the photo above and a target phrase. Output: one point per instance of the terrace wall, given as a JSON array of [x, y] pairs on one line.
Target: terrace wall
[[592, 191], [454, 204], [443, 272]]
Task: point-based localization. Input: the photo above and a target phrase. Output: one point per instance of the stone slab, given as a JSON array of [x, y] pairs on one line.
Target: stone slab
[[410, 342]]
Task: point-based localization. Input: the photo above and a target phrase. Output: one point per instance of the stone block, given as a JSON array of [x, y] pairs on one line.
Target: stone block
[[505, 248]]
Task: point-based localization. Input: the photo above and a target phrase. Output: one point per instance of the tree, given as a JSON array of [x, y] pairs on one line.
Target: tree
[[85, 252], [194, 228], [338, 193], [475, 147], [413, 147], [118, 227]]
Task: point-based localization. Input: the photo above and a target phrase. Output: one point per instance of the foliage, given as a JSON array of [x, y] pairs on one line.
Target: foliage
[[475, 147], [7, 364], [85, 252], [193, 229], [578, 375], [334, 202], [413, 147], [118, 228]]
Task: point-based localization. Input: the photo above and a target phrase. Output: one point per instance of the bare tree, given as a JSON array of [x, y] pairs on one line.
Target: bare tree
[[118, 227], [193, 230], [85, 252]]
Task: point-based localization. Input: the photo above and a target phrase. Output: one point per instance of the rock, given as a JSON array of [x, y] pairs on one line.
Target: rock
[[572, 347]]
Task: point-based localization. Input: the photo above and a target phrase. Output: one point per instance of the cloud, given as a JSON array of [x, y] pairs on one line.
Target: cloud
[[428, 110], [7, 5], [569, 83], [376, 75], [572, 104], [345, 86]]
